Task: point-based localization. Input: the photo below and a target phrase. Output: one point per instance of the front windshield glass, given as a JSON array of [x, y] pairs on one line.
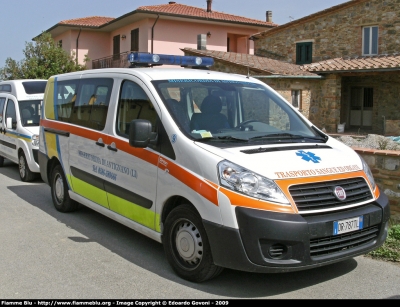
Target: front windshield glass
[[232, 111], [30, 111]]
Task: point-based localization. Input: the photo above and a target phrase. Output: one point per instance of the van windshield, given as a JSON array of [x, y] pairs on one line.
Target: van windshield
[[30, 111], [226, 111]]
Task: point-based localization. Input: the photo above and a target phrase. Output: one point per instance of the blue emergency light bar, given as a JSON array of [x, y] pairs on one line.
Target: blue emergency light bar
[[148, 59]]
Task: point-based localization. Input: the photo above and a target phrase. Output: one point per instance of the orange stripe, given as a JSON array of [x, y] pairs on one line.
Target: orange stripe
[[202, 187], [241, 200], [94, 136], [198, 185]]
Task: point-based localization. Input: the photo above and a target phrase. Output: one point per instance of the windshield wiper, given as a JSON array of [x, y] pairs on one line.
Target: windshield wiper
[[227, 138], [287, 136]]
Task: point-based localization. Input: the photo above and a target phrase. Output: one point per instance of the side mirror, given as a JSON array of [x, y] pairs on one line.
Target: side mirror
[[140, 134]]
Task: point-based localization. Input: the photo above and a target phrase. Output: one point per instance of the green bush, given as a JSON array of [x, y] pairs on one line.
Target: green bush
[[390, 250]]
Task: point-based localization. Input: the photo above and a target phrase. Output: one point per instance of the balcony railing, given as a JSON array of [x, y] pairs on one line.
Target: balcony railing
[[113, 61]]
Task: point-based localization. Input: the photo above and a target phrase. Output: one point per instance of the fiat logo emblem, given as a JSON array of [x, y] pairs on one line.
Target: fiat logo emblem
[[340, 193]]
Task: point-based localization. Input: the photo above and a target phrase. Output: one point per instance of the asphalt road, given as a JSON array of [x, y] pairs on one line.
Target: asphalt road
[[45, 254]]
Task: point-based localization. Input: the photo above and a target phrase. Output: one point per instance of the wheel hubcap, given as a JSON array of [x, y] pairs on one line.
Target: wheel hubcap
[[22, 166], [189, 243], [59, 189]]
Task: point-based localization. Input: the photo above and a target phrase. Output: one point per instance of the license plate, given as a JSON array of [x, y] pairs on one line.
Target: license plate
[[348, 225]]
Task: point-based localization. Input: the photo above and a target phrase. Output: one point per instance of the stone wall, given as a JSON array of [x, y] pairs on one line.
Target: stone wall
[[338, 34], [385, 166]]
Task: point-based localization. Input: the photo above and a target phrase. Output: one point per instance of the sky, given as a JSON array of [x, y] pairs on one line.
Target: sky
[[22, 20]]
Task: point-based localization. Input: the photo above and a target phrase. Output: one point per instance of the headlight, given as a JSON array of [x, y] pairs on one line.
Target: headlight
[[35, 140], [237, 178], [368, 172]]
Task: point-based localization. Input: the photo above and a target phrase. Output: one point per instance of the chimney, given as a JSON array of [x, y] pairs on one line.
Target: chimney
[[269, 16], [209, 6]]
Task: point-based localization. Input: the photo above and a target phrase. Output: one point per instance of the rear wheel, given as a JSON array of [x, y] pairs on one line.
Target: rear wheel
[[186, 245], [59, 191], [24, 171]]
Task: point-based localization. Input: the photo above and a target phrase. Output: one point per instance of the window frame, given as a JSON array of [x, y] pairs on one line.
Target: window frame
[[116, 47], [299, 100], [373, 43], [304, 57], [135, 40]]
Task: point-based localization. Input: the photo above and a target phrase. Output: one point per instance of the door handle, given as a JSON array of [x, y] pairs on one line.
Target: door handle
[[100, 142], [112, 147]]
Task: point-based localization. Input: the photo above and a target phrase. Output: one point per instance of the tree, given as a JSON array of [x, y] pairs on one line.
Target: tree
[[43, 58]]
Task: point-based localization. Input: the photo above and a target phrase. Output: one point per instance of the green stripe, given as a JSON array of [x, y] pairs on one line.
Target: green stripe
[[134, 212], [89, 191]]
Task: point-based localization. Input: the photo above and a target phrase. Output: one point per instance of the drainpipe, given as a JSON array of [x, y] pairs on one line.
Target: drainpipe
[[152, 33], [384, 124], [77, 40]]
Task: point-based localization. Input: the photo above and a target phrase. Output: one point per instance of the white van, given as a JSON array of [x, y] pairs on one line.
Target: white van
[[217, 167], [20, 108]]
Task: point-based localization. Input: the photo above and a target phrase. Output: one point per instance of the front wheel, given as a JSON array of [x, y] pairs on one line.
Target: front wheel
[[59, 191], [24, 172], [186, 245]]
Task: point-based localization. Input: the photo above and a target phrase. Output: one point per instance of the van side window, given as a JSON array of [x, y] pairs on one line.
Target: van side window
[[2, 101], [66, 96], [133, 104], [10, 112], [90, 103]]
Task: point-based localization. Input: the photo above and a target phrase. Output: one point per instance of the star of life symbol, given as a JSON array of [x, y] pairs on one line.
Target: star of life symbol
[[308, 156]]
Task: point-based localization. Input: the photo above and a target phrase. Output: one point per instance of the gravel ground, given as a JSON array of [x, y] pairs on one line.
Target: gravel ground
[[372, 141]]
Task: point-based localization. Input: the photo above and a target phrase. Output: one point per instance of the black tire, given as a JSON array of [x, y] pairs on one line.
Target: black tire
[[59, 191], [191, 259], [1, 161], [24, 172]]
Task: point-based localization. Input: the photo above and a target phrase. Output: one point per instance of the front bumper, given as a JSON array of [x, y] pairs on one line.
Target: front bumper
[[277, 242]]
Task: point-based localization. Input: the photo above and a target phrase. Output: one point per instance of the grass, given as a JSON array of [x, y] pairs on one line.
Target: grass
[[390, 250]]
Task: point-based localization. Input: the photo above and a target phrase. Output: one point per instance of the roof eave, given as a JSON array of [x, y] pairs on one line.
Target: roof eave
[[354, 70], [273, 74], [288, 77]]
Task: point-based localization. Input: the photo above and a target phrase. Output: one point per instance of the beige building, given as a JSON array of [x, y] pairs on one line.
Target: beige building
[[350, 58], [164, 28]]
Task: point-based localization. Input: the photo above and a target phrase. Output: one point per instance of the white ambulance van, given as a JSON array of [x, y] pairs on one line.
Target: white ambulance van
[[20, 110], [217, 167]]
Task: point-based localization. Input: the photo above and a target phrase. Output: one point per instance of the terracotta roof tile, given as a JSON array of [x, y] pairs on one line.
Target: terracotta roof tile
[[380, 62], [185, 10], [262, 64], [93, 21]]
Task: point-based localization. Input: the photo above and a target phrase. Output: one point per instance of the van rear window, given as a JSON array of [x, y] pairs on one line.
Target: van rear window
[[34, 87]]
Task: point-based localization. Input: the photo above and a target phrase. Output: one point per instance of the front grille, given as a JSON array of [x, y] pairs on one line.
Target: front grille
[[320, 196], [334, 244]]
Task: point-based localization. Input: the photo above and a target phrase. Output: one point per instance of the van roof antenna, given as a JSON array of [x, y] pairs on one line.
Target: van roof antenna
[[248, 72]]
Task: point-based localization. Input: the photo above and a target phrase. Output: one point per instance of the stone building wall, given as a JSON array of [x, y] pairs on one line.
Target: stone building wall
[[385, 166], [337, 34]]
